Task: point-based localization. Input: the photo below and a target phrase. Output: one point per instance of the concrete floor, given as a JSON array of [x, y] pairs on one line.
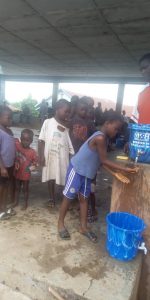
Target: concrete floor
[[32, 257]]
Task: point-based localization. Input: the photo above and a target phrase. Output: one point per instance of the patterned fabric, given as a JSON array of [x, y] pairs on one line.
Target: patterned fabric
[[26, 158]]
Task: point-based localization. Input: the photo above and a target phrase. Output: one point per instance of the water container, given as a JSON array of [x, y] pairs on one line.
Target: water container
[[124, 235], [139, 142]]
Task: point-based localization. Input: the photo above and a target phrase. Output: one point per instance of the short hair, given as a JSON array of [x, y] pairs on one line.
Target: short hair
[[82, 102], [145, 57], [74, 99], [27, 131], [62, 102], [111, 116], [3, 109]]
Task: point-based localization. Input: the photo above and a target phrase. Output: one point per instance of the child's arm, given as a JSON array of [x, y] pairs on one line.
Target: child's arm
[[101, 147], [3, 170], [41, 148], [41, 144]]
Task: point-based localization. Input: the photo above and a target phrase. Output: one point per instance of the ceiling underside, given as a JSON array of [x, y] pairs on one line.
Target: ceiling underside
[[73, 37]]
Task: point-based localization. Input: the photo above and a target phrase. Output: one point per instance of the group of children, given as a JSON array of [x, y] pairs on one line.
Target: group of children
[[70, 152], [17, 160]]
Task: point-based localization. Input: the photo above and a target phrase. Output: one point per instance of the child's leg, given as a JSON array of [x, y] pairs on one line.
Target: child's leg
[[3, 197], [26, 193], [51, 190], [18, 184], [83, 213], [83, 219], [62, 214]]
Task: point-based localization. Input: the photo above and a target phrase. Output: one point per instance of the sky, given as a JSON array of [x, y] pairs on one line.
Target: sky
[[17, 91]]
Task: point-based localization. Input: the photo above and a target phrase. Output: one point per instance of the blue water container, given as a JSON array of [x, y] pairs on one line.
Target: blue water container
[[124, 235], [139, 143]]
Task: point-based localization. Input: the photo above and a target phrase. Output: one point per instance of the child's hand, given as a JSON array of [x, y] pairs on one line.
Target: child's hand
[[17, 166], [4, 172], [131, 170]]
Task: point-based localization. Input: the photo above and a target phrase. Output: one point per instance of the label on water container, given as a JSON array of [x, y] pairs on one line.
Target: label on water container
[[140, 142]]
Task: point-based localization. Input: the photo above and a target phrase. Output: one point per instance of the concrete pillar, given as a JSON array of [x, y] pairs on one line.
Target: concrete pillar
[[2, 89], [120, 96], [55, 93]]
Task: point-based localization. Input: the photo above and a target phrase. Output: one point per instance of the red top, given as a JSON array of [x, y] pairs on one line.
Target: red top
[[25, 158], [144, 106]]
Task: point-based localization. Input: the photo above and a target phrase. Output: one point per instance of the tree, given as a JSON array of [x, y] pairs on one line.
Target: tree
[[30, 103]]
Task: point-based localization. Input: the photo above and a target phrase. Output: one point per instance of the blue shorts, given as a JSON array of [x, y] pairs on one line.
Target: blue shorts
[[76, 184]]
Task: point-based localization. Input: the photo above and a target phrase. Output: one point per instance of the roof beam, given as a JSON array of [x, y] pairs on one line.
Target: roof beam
[[74, 79]]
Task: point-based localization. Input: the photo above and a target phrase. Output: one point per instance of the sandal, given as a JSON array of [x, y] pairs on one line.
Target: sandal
[[4, 216], [11, 212], [90, 235], [51, 203], [64, 234]]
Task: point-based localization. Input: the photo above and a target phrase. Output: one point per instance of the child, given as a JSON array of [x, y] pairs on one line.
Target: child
[[80, 126], [26, 161], [80, 130], [82, 170], [54, 148], [7, 157]]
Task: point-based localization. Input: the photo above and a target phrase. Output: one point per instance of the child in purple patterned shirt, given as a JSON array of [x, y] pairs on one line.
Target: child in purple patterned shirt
[[7, 157]]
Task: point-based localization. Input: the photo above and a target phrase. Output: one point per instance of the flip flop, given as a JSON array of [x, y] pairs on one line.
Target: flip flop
[[90, 235], [64, 234], [51, 203], [11, 212], [4, 216]]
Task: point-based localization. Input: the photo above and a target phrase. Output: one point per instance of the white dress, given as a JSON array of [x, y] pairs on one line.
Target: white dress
[[58, 146]]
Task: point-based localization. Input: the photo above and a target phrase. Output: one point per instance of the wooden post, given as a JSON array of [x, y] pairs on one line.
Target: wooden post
[[120, 96], [55, 93], [135, 198]]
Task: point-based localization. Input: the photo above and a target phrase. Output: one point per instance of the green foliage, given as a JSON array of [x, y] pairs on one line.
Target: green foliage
[[28, 102]]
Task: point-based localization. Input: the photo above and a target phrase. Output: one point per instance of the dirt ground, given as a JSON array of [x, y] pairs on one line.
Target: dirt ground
[[32, 257]]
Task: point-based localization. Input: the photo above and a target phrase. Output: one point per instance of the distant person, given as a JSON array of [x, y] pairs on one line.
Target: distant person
[[55, 147], [43, 111], [74, 101], [83, 168], [90, 103], [98, 114], [7, 158], [25, 162], [51, 112], [26, 114], [141, 113], [125, 118]]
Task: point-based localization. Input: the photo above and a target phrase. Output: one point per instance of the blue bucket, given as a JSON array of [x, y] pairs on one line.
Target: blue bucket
[[124, 235], [139, 142]]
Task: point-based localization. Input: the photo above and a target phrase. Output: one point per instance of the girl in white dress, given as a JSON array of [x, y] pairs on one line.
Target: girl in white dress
[[54, 148]]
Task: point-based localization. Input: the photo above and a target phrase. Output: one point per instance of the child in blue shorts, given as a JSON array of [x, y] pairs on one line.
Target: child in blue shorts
[[83, 168]]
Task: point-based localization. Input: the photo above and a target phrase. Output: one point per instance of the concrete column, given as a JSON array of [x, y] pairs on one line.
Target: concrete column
[[55, 93], [2, 90], [120, 96]]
